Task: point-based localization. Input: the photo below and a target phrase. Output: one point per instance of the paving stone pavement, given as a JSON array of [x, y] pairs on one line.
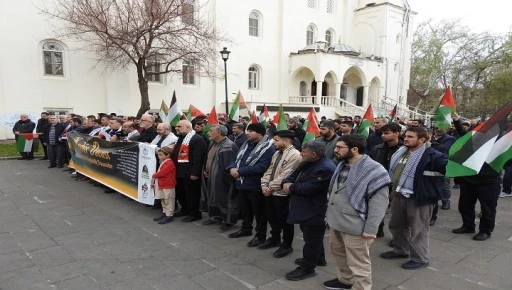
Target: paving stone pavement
[[58, 233]]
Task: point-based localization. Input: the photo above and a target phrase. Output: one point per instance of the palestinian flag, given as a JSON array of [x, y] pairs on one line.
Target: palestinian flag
[[311, 126], [254, 118], [280, 119], [392, 114], [264, 116], [25, 142], [469, 153], [443, 116], [174, 115], [238, 105], [194, 112], [212, 120], [368, 119], [501, 152], [164, 110]]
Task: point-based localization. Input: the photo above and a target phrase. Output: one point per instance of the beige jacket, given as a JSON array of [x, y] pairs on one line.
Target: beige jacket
[[289, 162]]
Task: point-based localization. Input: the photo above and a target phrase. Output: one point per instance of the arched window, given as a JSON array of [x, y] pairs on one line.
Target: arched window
[[310, 35], [53, 59], [254, 24], [329, 36], [303, 88], [254, 77]]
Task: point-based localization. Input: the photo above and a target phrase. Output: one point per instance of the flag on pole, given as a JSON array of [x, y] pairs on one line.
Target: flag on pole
[[392, 114], [280, 119], [174, 115], [368, 120], [25, 142], [443, 116], [164, 110], [238, 105], [212, 120], [264, 116], [311, 126], [469, 153], [194, 112]]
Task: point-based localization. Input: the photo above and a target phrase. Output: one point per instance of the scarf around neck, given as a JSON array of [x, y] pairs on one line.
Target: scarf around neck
[[406, 184], [184, 154], [364, 179], [258, 151]]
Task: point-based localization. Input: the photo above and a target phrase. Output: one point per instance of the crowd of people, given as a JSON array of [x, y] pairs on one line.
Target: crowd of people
[[340, 182]]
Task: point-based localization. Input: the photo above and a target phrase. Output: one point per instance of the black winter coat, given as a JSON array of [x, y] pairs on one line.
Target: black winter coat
[[197, 154], [429, 177], [308, 193]]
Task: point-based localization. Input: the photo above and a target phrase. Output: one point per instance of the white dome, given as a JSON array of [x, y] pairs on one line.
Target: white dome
[[364, 3]]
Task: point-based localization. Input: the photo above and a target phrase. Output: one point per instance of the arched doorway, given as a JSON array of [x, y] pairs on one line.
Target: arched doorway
[[301, 90]]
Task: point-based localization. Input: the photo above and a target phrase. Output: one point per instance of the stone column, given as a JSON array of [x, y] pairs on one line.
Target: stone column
[[365, 96], [318, 92]]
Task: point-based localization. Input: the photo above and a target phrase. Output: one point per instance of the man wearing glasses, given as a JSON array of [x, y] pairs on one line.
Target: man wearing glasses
[[147, 124]]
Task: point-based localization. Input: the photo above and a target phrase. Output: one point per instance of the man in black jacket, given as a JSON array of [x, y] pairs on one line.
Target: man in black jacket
[[148, 130], [188, 156], [307, 187], [24, 125], [42, 123], [375, 137], [382, 153], [294, 125], [417, 174], [56, 149], [484, 187]]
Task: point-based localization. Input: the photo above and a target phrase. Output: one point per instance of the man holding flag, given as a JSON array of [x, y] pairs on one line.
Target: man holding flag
[[483, 186], [21, 128]]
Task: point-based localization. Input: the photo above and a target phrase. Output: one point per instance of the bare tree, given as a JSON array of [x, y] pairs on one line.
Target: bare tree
[[154, 35]]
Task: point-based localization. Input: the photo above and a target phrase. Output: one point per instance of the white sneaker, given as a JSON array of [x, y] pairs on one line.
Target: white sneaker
[[504, 194]]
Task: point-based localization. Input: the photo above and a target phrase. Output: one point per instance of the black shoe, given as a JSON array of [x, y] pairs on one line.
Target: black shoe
[[159, 217], [321, 262], [432, 222], [463, 230], [22, 158], [255, 242], [52, 166], [109, 190], [412, 265], [300, 273], [165, 220], [481, 236], [209, 222], [180, 214], [336, 284], [445, 206], [44, 158], [224, 228], [269, 243], [456, 185], [392, 255], [282, 252], [60, 166], [240, 233], [30, 158], [190, 219]]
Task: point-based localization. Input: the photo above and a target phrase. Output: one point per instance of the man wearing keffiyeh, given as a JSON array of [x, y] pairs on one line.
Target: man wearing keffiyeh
[[417, 175], [358, 199]]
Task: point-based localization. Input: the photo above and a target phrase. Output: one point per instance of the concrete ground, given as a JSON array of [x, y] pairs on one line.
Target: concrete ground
[[58, 233]]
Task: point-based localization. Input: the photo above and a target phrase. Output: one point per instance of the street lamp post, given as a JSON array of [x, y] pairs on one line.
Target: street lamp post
[[225, 55]]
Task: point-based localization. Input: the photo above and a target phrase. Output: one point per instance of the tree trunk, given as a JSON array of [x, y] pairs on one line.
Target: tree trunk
[[143, 89]]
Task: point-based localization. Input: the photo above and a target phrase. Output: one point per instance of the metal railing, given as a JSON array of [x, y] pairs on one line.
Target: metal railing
[[346, 108]]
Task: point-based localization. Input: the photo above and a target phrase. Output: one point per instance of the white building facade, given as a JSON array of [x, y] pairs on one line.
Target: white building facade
[[337, 56]]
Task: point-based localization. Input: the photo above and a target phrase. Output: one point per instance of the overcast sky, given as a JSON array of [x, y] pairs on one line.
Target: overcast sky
[[491, 15]]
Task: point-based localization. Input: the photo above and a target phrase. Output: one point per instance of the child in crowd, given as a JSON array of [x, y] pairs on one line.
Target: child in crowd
[[164, 181]]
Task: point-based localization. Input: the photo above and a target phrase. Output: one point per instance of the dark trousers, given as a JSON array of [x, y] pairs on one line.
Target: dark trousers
[[507, 180], [56, 154], [487, 195], [45, 149], [252, 205], [277, 208], [188, 193], [313, 250]]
